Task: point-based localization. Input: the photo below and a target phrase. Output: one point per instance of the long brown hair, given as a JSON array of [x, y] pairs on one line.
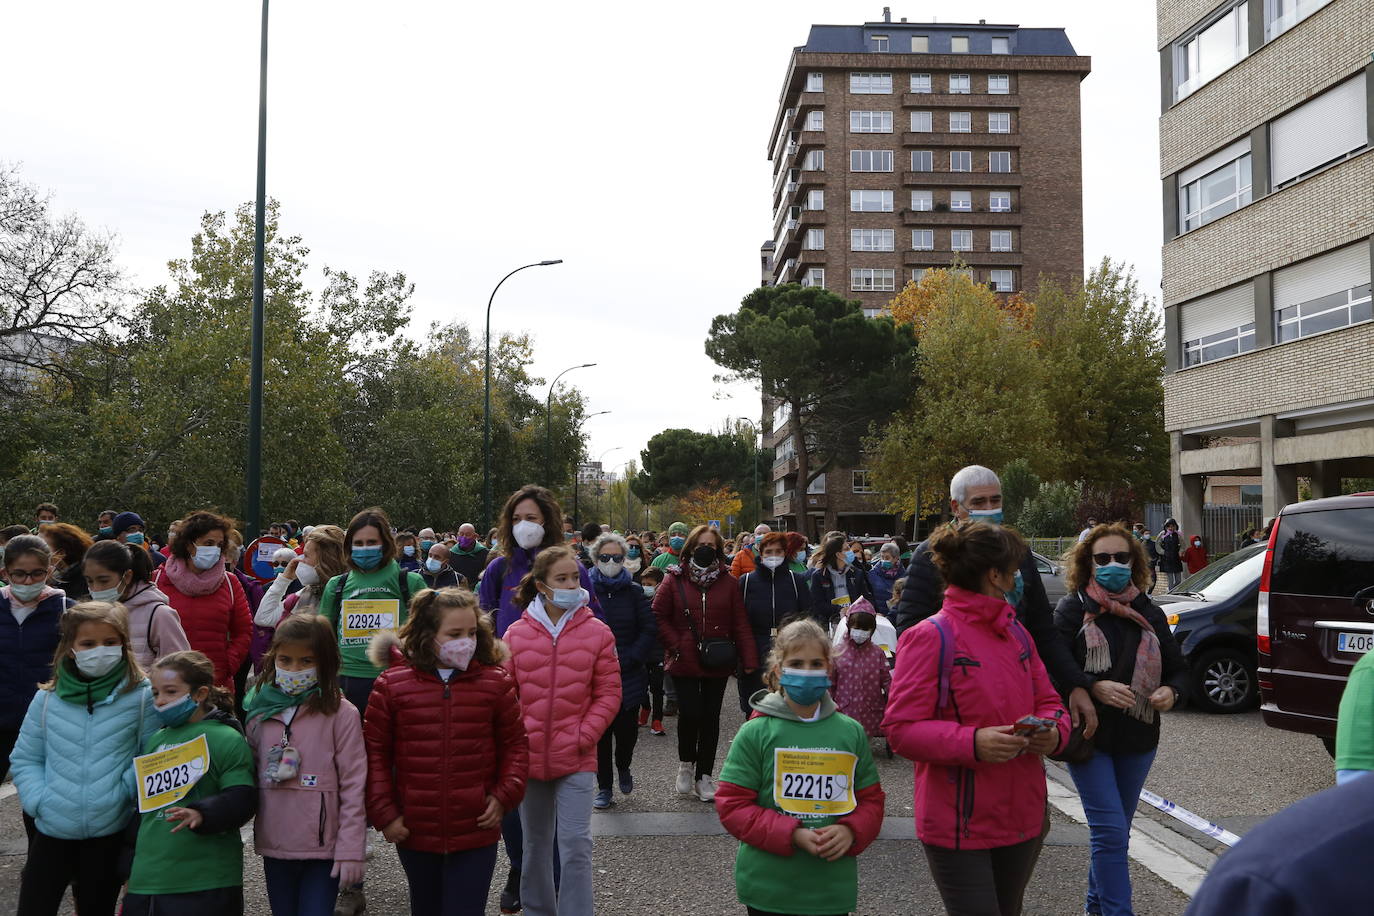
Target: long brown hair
[[1078, 560], [68, 541], [426, 613], [194, 527], [694, 539], [318, 634], [198, 671], [832, 545], [548, 507], [543, 561], [106, 612], [377, 518], [329, 547]]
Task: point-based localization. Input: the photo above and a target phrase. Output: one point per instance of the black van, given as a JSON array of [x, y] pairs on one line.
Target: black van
[[1316, 610]]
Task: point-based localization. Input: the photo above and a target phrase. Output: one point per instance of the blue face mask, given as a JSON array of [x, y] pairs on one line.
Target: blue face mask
[[176, 712], [849, 556], [676, 543], [367, 557], [425, 545], [433, 565], [991, 516], [1114, 577], [107, 531], [408, 551], [1017, 591], [570, 599], [633, 553], [134, 537], [803, 687], [887, 564]]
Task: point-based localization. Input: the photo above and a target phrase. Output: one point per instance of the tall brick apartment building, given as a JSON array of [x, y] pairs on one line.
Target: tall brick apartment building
[[1265, 155], [898, 147]]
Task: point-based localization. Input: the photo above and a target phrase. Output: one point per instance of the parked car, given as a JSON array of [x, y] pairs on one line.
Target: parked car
[[1212, 614], [1052, 574], [1316, 610]]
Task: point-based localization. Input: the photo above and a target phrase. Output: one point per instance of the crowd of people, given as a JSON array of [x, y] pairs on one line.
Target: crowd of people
[[452, 693]]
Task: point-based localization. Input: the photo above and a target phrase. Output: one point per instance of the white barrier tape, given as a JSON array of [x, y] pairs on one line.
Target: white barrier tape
[[1201, 824]]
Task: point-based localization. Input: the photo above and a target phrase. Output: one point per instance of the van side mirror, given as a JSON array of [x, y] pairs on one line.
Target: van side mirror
[[1364, 598]]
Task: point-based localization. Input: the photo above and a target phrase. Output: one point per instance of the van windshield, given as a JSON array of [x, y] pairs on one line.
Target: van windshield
[[1327, 554], [1227, 576]]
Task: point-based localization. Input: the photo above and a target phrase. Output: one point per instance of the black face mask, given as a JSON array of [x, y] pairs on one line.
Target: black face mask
[[704, 555]]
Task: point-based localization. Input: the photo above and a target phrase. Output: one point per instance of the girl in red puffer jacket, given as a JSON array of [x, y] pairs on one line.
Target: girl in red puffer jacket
[[446, 749]]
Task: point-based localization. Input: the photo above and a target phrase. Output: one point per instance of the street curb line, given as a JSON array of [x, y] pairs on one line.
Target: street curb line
[[8, 791]]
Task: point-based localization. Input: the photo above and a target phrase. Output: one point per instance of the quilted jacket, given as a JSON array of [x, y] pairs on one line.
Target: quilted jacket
[[632, 621], [435, 751], [27, 649], [569, 688], [71, 764], [154, 625], [218, 624], [718, 612]]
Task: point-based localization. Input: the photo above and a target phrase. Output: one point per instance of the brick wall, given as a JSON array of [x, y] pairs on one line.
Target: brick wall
[[1052, 185]]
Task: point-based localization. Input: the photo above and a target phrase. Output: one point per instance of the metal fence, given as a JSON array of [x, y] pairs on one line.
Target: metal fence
[[1052, 549], [1222, 526]]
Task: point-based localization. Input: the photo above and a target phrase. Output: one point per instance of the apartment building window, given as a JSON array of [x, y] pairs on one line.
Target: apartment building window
[[961, 201], [1218, 325], [782, 411], [814, 161], [817, 486], [922, 160], [922, 122], [815, 199], [960, 122], [1003, 281], [958, 44], [999, 122], [815, 120], [999, 240], [870, 201], [815, 240], [961, 240], [870, 83], [1318, 132], [815, 82], [1214, 187], [859, 481], [999, 201], [1326, 292], [1211, 48], [920, 44], [872, 279], [787, 449], [1282, 15], [999, 161], [960, 161], [923, 239], [814, 276], [872, 239], [870, 160], [959, 84], [918, 275], [880, 44], [779, 487], [999, 84], [922, 200], [1001, 44], [870, 122], [920, 82]]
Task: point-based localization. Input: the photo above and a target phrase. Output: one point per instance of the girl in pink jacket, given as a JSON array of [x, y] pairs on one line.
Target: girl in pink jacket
[[565, 666], [861, 673], [307, 741], [972, 706]]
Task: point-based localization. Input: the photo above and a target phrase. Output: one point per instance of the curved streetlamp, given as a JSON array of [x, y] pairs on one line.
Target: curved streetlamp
[[548, 423]]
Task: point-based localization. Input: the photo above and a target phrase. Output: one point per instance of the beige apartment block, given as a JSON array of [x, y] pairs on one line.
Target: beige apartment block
[[1268, 199]]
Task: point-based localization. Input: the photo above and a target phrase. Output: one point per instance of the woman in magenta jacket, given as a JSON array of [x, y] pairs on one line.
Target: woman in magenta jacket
[[964, 678]]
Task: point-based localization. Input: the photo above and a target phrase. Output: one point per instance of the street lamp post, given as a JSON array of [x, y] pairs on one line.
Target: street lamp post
[[486, 396], [548, 423], [253, 465]]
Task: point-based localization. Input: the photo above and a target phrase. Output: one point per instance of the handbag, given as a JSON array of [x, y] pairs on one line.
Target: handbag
[[716, 651]]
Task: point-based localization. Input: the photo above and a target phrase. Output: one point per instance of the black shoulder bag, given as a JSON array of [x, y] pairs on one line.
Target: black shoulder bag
[[715, 652]]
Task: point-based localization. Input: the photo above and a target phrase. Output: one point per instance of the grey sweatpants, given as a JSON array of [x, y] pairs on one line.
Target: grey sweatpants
[[559, 808]]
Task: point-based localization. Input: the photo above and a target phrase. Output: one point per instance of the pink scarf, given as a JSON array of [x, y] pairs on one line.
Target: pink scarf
[[191, 581], [1146, 677]]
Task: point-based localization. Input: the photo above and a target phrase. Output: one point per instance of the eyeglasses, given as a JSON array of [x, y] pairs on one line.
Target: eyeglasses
[[609, 557], [1102, 559], [28, 575]]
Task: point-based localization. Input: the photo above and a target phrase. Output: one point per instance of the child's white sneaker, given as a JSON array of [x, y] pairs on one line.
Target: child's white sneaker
[[705, 789]]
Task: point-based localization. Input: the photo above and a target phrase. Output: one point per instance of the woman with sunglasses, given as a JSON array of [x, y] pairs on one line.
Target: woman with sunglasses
[[1128, 660]]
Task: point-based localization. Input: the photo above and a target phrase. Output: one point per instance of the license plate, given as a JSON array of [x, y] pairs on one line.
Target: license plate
[[1355, 642]]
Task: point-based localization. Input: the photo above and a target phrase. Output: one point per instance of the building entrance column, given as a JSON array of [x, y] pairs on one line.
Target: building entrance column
[[1280, 482]]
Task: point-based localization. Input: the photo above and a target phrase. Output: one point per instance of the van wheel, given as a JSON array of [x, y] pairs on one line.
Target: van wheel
[[1224, 681], [1330, 745]]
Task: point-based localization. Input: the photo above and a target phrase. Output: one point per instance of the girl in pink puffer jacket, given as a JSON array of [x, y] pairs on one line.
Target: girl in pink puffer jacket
[[566, 669]]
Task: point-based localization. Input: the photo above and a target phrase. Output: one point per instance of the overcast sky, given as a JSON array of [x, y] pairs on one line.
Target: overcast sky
[[456, 141]]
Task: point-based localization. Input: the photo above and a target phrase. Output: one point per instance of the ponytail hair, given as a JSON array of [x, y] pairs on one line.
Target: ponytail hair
[[120, 558], [198, 671], [526, 592]]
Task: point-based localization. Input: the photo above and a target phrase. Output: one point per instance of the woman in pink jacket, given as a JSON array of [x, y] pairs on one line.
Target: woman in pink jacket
[[972, 706], [565, 666]]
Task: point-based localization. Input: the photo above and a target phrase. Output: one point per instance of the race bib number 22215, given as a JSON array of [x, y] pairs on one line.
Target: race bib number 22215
[[814, 783]]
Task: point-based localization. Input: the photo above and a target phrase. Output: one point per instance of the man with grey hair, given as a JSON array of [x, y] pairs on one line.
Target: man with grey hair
[[976, 492], [746, 561]]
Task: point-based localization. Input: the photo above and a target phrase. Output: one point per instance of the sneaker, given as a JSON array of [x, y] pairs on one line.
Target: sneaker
[[669, 708], [643, 717], [685, 771], [351, 902], [657, 728], [705, 789], [510, 897], [603, 799], [627, 782]]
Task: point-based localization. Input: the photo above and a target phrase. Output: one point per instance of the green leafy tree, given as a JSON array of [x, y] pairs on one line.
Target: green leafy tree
[[679, 460], [1052, 512], [1019, 484]]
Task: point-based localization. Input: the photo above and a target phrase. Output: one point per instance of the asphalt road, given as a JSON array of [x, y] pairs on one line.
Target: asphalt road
[[657, 853]]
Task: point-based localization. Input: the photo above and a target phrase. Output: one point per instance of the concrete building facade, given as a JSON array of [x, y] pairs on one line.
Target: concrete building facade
[[1268, 199]]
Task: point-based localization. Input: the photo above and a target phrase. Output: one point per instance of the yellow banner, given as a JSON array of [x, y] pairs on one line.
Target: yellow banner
[[166, 777], [814, 783], [362, 620]]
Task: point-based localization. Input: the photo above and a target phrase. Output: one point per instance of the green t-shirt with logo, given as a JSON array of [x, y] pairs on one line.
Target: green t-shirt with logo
[[819, 767], [372, 601], [185, 861]]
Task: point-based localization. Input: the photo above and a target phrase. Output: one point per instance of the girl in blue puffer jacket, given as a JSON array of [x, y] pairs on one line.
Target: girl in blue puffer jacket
[[78, 739]]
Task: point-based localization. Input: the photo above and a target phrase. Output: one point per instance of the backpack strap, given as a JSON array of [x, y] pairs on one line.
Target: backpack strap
[[945, 627], [339, 591], [403, 585], [1018, 630]]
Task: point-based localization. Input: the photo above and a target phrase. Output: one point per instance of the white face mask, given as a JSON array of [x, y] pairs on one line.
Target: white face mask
[[860, 636], [612, 569], [527, 534], [99, 661], [773, 562], [307, 574]]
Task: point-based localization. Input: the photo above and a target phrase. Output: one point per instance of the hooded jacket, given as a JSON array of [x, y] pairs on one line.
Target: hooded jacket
[[962, 802], [436, 750], [717, 612], [154, 625], [218, 624], [861, 683], [502, 577], [28, 649], [631, 619], [569, 687], [823, 607], [770, 597]]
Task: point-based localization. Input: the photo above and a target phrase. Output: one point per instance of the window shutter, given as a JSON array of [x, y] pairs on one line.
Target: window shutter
[[1214, 161], [1318, 131], [1320, 276], [1218, 312]]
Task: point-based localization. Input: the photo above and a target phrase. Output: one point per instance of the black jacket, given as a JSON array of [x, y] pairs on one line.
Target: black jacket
[[823, 591], [468, 565], [444, 578], [771, 597], [924, 593], [1169, 561], [1118, 732]]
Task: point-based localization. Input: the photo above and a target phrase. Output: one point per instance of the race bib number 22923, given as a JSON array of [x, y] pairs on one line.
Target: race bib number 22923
[[167, 776], [814, 782]]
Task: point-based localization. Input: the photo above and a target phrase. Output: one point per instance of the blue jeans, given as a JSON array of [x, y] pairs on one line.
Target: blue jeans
[[1109, 785], [451, 884], [300, 887]]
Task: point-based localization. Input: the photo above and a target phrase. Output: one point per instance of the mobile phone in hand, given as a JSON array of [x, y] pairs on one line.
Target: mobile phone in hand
[[1026, 726]]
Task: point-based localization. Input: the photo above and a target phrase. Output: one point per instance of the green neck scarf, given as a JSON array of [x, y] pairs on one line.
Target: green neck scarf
[[269, 700], [73, 687]]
